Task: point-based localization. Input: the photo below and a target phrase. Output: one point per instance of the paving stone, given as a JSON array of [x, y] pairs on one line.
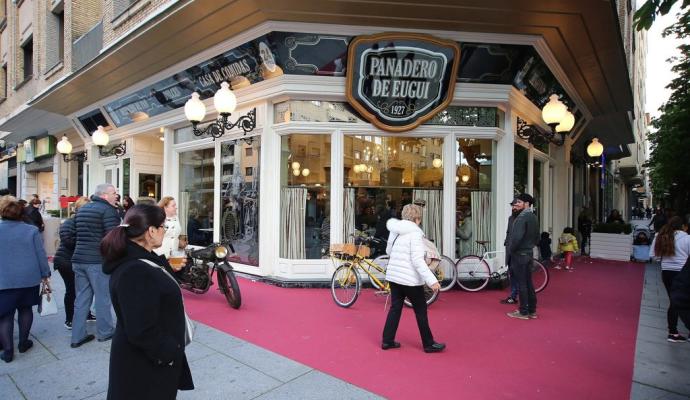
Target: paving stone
[[8, 390], [35, 357], [221, 377], [272, 364], [196, 351], [214, 338], [73, 378], [317, 385]]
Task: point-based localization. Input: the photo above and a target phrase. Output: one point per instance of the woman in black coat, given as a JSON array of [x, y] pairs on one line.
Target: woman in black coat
[[147, 359]]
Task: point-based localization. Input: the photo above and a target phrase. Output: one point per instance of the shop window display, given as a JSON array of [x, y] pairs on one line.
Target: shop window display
[[195, 205], [520, 170], [473, 213], [390, 173], [537, 183], [305, 222], [239, 198]]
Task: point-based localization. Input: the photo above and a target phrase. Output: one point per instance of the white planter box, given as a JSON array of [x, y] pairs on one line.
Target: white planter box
[[611, 246]]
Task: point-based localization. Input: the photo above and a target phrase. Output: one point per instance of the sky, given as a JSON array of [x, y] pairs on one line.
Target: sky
[[660, 49]]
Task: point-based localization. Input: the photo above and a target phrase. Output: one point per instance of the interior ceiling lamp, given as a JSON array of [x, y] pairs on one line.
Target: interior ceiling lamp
[[556, 115], [64, 147], [225, 102], [101, 138], [595, 149]]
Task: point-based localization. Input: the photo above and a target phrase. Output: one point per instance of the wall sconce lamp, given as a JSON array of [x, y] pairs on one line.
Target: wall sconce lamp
[[225, 102], [64, 147], [101, 138], [557, 116]]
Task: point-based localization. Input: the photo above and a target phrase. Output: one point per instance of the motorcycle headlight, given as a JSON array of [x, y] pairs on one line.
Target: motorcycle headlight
[[221, 252]]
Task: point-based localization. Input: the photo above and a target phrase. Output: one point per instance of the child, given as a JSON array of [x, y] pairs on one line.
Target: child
[[567, 244], [545, 247], [182, 242]]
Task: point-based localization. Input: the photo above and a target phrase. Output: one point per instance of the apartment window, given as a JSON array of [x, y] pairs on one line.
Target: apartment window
[[55, 43], [3, 81], [28, 55], [120, 6]]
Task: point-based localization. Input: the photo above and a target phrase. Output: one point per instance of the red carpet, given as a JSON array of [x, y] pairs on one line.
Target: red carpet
[[581, 347]]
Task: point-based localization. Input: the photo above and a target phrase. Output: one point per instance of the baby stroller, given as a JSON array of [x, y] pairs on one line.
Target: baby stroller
[[641, 241]]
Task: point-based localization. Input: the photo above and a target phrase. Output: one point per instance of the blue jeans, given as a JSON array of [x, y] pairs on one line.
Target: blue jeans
[[89, 279]]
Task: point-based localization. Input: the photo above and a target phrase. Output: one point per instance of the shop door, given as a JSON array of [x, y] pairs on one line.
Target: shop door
[[112, 175]]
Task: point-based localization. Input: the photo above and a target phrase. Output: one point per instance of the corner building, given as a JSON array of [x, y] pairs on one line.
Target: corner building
[[329, 156]]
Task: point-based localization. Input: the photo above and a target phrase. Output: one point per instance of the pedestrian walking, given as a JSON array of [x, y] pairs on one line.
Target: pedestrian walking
[[172, 227], [407, 272], [680, 294], [147, 356], [567, 245], [584, 226], [92, 222], [23, 266], [513, 297], [523, 237], [32, 214], [672, 245], [62, 262], [658, 220]]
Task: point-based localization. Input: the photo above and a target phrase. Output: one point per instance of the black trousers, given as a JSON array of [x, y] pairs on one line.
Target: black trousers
[[416, 296], [70, 293], [522, 271], [672, 312]]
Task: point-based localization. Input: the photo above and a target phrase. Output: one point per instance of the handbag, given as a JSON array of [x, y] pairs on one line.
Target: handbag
[[188, 324], [48, 305], [431, 255]]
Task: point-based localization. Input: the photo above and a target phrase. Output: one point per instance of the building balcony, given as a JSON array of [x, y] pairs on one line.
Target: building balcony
[[87, 47]]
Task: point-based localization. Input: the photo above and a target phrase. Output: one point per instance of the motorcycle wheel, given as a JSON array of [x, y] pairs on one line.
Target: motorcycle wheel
[[230, 288]]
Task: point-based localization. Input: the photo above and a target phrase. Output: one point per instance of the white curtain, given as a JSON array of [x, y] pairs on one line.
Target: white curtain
[[481, 220], [292, 222], [432, 214], [183, 210], [349, 215]]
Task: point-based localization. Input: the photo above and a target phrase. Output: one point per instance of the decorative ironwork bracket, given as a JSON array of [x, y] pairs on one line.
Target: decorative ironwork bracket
[[535, 136], [80, 156], [218, 128], [117, 151]]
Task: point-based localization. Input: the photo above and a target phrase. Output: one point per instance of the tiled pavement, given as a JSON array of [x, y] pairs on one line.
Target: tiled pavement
[[662, 369]]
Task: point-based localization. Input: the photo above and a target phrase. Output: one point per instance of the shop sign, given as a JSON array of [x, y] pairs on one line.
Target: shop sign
[[397, 81]]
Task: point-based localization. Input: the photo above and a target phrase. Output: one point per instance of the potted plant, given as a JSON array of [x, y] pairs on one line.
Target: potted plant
[[611, 241]]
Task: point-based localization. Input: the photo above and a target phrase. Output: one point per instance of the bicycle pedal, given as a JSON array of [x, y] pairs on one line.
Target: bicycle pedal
[[381, 293]]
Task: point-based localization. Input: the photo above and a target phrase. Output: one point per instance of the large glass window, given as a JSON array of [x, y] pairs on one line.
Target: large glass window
[[195, 205], [520, 169], [382, 174], [305, 175], [537, 183], [473, 211], [239, 198]]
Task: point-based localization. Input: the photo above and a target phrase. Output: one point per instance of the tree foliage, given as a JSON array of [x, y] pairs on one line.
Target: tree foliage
[[644, 17], [670, 143]]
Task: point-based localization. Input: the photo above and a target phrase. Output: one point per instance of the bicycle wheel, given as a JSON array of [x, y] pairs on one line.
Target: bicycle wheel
[[345, 285], [540, 276], [381, 261], [429, 294], [473, 273], [230, 288], [446, 273]]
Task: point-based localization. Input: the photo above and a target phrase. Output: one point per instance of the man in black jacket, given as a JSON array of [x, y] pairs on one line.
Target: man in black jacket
[[513, 298], [92, 222], [524, 235]]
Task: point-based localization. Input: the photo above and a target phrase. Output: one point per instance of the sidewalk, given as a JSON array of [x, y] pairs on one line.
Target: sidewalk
[[223, 367], [661, 368]]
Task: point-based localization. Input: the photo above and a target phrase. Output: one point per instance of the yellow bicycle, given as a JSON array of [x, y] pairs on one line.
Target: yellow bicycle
[[351, 261]]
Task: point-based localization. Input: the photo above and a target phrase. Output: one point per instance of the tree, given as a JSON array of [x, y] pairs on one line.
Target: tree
[[670, 143], [644, 17]]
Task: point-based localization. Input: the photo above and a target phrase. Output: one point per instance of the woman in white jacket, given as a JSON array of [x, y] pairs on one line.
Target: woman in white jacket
[[172, 227], [407, 273]]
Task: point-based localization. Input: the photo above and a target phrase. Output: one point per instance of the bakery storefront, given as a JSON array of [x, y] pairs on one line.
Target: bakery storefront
[[346, 128]]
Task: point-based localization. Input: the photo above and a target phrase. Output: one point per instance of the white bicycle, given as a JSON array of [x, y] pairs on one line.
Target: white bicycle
[[474, 272]]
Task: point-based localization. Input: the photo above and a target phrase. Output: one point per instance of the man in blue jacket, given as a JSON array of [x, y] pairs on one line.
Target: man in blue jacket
[[92, 222]]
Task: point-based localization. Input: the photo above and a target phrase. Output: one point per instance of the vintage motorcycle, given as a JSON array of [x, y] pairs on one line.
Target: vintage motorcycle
[[197, 274]]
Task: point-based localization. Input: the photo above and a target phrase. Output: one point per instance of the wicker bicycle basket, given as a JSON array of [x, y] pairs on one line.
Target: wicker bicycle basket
[[350, 249]]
